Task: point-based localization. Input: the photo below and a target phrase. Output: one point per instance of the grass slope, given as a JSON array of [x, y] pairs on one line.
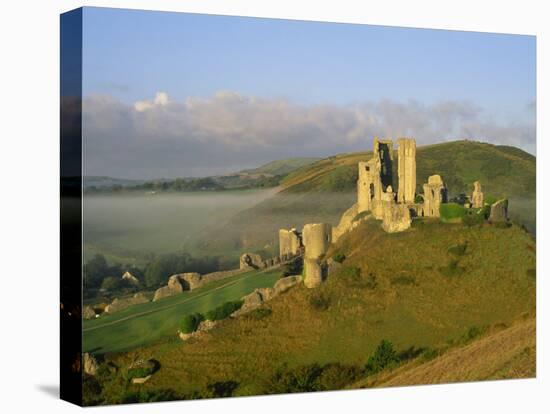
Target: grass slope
[[507, 353], [281, 167], [401, 295], [142, 324]]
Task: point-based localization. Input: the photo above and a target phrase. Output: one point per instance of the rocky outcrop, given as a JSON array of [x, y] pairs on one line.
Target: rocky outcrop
[[250, 261], [285, 284], [397, 217], [88, 312], [203, 327], [190, 281], [89, 363], [119, 304], [173, 287], [477, 196], [499, 212]]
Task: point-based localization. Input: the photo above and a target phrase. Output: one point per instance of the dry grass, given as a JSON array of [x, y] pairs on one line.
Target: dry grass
[[509, 353]]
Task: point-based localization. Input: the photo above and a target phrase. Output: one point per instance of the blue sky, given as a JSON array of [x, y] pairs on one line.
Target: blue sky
[[131, 55]]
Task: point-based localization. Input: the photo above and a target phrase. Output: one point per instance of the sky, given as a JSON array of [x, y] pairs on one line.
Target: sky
[[175, 94]]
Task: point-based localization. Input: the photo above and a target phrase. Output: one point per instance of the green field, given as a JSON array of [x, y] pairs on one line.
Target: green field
[[143, 324]]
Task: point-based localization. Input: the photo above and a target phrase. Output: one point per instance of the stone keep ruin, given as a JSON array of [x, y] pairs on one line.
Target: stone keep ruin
[[375, 198]]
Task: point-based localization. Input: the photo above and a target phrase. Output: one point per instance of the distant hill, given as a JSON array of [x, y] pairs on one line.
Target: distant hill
[[281, 167], [106, 182], [323, 190]]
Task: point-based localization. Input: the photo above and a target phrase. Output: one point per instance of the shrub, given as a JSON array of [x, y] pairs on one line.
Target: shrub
[[458, 249], [473, 218], [451, 212], [259, 313], [319, 301], [383, 357], [301, 379], [221, 389], [339, 257], [223, 311], [429, 354], [190, 323]]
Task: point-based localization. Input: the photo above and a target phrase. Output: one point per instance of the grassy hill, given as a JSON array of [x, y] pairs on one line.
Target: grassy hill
[[508, 352], [323, 190], [281, 167], [416, 289], [142, 324]]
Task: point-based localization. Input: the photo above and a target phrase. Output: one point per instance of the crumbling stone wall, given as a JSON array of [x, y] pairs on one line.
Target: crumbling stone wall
[[406, 170], [290, 243], [477, 196], [346, 223], [250, 261], [435, 193], [397, 217]]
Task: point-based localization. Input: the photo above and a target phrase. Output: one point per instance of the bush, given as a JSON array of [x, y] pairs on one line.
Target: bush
[[301, 379], [259, 313], [190, 323], [383, 357], [223, 311], [319, 301], [339, 257], [451, 212], [221, 389], [473, 218]]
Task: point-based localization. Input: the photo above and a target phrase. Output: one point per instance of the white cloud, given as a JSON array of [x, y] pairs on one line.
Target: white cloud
[[227, 131]]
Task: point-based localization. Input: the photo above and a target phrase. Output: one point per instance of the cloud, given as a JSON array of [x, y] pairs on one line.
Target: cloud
[[161, 99], [229, 131]]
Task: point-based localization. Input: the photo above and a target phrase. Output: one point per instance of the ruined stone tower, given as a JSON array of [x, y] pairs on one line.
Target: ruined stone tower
[[374, 177], [435, 193], [477, 196], [406, 170], [316, 238]]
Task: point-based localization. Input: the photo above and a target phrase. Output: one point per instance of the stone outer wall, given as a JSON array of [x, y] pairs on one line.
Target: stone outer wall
[[290, 243], [120, 304], [317, 238]]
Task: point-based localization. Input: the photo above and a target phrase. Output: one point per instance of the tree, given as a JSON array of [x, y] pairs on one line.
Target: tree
[[111, 283], [95, 270], [383, 357]]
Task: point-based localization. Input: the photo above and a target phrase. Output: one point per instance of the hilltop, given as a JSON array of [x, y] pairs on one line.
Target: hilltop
[[425, 290], [281, 167], [323, 190]]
